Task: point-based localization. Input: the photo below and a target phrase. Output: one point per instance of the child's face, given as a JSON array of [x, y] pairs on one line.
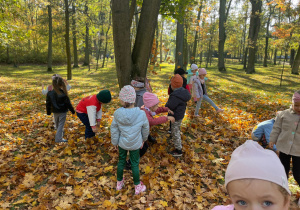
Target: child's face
[[256, 194], [154, 108], [202, 76], [122, 102], [296, 107], [194, 71]]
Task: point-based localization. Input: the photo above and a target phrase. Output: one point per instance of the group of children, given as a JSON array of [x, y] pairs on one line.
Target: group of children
[[256, 178]]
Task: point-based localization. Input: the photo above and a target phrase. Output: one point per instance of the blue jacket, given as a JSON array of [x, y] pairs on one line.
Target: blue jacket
[[263, 128], [129, 128]]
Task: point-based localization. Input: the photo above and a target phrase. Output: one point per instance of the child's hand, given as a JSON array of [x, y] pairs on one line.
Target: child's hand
[[170, 112], [271, 144], [116, 147], [142, 145], [95, 129], [172, 119]]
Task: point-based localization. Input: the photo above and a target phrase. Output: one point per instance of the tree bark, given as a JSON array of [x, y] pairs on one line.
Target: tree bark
[[267, 38], [86, 50], [253, 34], [179, 45], [75, 65], [185, 48], [106, 39], [49, 68], [144, 38], [292, 57], [296, 64], [161, 41], [67, 37], [222, 36], [121, 36], [275, 56], [193, 56]]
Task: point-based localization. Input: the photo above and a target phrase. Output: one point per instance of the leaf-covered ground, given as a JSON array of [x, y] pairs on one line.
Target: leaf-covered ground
[[36, 173]]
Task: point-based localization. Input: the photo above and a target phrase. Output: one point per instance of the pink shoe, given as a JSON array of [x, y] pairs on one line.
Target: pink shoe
[[140, 188], [120, 184], [220, 110]]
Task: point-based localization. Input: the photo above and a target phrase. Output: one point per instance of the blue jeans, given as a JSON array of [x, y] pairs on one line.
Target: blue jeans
[[205, 98], [85, 120]]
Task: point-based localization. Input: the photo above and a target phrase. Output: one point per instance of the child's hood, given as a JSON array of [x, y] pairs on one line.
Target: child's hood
[[126, 116], [182, 94]]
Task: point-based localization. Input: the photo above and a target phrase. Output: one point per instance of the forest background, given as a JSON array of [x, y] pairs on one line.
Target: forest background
[[252, 63]]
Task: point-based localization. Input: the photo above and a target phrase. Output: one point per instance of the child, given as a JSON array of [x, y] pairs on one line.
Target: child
[[199, 88], [139, 86], [50, 87], [177, 103], [59, 103], [190, 74], [286, 135], [129, 130], [181, 72], [151, 109], [262, 131], [255, 179], [89, 111]]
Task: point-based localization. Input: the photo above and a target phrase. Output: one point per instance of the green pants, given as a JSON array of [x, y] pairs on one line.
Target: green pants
[[134, 159]]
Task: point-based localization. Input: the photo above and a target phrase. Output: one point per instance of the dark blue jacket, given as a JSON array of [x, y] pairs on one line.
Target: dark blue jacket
[[177, 102]]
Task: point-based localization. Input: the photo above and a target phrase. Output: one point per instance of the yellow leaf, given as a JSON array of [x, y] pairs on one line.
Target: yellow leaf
[[68, 151], [89, 196], [164, 203], [79, 174], [148, 170], [106, 203], [109, 168]]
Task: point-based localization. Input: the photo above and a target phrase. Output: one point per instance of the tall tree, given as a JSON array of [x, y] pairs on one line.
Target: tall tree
[[87, 36], [271, 10], [222, 33], [253, 34], [67, 37], [193, 56], [49, 68], [75, 65], [296, 64], [179, 45]]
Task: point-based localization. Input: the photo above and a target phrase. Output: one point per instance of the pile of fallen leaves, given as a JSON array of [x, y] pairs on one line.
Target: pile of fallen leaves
[[36, 173]]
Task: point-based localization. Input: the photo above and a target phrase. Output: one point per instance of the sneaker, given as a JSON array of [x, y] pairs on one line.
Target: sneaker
[[62, 141], [196, 115], [120, 184], [151, 139], [128, 165], [176, 153], [140, 188], [220, 110], [169, 131]]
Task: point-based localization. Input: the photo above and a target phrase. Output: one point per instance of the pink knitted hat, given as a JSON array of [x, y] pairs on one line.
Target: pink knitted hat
[[296, 97], [127, 94], [202, 71], [150, 99], [252, 161]]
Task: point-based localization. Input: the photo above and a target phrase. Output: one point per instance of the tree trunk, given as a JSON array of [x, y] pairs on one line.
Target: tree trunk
[[253, 34], [267, 38], [161, 40], [106, 38], [75, 65], [86, 50], [185, 49], [292, 57], [121, 36], [222, 36], [193, 56], [275, 56], [245, 58], [67, 36], [7, 54], [296, 64], [49, 68], [179, 45], [144, 38]]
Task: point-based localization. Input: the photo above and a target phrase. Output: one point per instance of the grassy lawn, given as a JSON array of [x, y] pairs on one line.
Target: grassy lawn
[[36, 173]]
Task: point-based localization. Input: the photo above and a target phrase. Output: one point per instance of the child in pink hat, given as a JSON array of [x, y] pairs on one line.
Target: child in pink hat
[[151, 109], [255, 179], [286, 136], [200, 91]]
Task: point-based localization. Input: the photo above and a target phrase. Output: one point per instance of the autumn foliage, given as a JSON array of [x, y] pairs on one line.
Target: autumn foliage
[[36, 173]]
